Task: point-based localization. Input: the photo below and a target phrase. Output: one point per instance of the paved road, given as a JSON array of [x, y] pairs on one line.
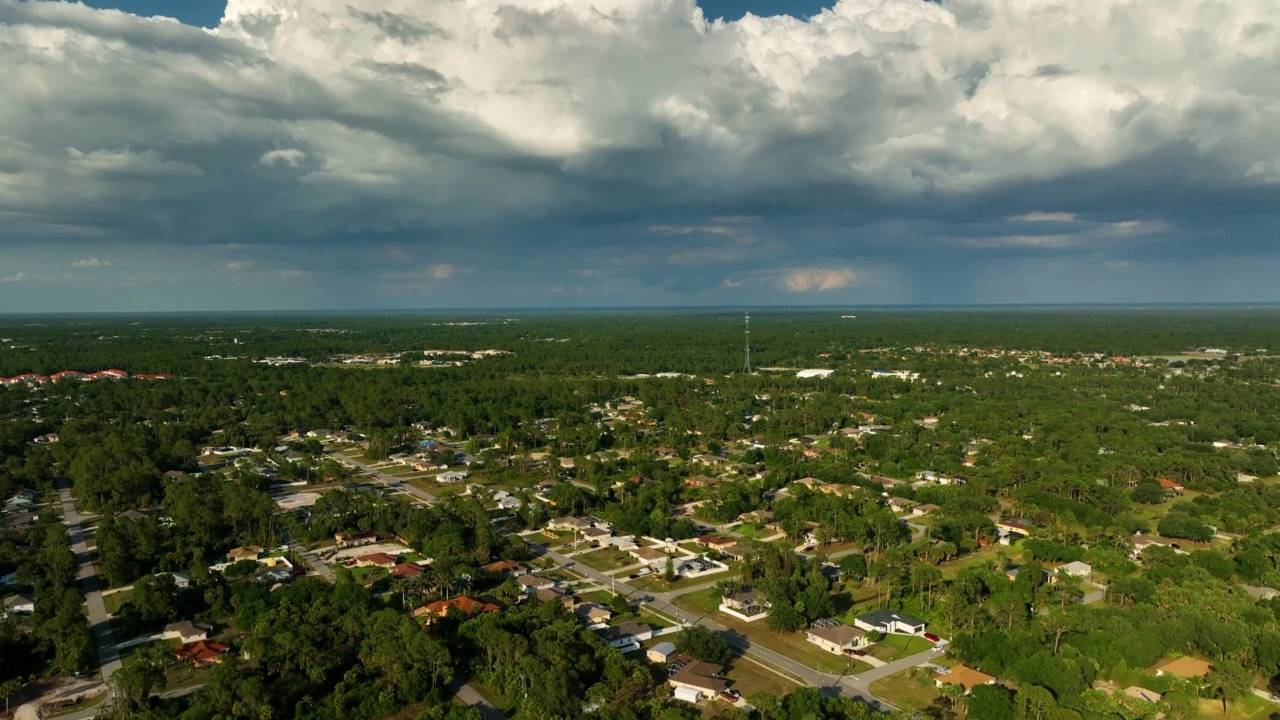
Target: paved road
[[468, 695], [386, 478], [108, 655], [310, 560], [92, 711], [853, 686]]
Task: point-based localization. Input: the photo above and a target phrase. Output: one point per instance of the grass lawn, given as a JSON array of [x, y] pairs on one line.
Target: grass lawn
[[115, 600], [1249, 707], [894, 647], [913, 691], [540, 538], [991, 552], [656, 581], [361, 572], [748, 677], [604, 559], [755, 531], [702, 602]]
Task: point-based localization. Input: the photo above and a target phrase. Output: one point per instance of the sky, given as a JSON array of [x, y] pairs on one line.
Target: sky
[[331, 154]]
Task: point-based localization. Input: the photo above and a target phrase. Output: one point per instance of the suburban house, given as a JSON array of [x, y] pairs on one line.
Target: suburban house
[[452, 476], [464, 604], [648, 555], [1185, 667], [701, 481], [661, 653], [406, 570], [569, 524], [530, 582], [594, 534], [346, 539], [201, 653], [185, 631], [593, 614], [715, 542], [627, 636], [1076, 569], [554, 595], [1141, 693], [698, 679], [836, 637], [901, 504], [19, 605], [180, 581], [1167, 484], [889, 622], [965, 677], [1014, 525], [1142, 542], [378, 559], [247, 552], [506, 567], [747, 604]]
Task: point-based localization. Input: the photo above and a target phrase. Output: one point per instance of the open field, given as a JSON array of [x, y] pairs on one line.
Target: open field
[[913, 691]]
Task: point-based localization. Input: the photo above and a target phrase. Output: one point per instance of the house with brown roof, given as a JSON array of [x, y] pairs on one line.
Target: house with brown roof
[[701, 481], [186, 631], [506, 567], [247, 552], [354, 539], [836, 637], [1167, 484], [648, 555], [701, 676], [464, 604], [715, 542], [201, 653], [965, 677], [406, 570], [531, 582], [378, 559]]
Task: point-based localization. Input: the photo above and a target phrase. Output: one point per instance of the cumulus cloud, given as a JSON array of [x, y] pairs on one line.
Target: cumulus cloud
[[443, 271], [17, 278], [314, 123], [91, 263], [292, 157], [803, 280]]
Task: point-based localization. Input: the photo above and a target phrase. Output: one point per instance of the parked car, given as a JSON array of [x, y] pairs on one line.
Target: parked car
[[932, 638], [732, 696]]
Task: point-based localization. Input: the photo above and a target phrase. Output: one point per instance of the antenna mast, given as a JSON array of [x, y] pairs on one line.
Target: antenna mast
[[746, 363]]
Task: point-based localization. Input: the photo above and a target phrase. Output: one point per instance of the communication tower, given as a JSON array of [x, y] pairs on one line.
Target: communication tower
[[746, 363]]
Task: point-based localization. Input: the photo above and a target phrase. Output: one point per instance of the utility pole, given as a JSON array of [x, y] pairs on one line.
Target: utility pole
[[746, 331]]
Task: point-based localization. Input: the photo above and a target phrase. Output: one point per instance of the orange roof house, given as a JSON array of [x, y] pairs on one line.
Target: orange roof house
[[377, 559], [966, 677], [201, 653], [1168, 484], [406, 570], [465, 604]]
